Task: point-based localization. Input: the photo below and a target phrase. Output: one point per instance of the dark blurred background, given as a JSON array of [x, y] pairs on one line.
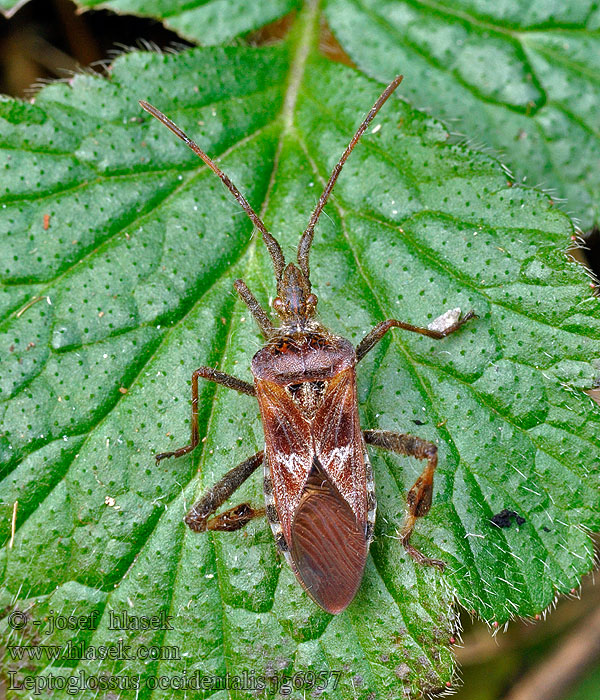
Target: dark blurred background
[[49, 39], [553, 659]]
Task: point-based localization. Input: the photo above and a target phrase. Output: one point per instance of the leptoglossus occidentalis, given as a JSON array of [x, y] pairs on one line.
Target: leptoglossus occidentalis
[[318, 482]]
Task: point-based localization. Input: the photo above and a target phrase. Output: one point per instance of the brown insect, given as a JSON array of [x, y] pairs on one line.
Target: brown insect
[[318, 482]]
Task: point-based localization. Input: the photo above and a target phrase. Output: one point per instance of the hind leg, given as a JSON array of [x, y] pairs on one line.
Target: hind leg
[[419, 497], [199, 518]]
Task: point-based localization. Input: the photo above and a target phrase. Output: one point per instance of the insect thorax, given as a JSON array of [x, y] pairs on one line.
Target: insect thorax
[[294, 357]]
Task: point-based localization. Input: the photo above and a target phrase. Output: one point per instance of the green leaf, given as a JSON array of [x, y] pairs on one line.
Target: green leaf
[[521, 77], [206, 22], [120, 250], [586, 686]]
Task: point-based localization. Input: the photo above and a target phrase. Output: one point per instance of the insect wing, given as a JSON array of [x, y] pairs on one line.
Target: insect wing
[[288, 449], [339, 443], [329, 545], [319, 486]]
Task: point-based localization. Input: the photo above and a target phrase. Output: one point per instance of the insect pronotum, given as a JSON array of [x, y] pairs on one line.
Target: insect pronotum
[[318, 483]]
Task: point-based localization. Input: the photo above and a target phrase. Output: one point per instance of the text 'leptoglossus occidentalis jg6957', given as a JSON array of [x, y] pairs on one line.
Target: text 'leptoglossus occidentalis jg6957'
[[318, 482]]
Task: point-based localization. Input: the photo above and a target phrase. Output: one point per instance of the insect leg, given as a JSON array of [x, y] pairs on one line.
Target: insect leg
[[372, 338], [199, 520], [419, 496], [212, 375], [260, 315]]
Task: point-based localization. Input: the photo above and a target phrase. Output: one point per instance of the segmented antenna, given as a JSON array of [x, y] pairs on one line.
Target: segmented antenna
[[307, 236], [272, 245]]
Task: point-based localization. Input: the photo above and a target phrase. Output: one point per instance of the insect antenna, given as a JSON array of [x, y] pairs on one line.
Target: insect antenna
[[307, 236], [272, 245]]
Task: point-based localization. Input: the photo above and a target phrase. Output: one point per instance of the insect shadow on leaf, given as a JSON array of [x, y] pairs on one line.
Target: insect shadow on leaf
[[318, 482]]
